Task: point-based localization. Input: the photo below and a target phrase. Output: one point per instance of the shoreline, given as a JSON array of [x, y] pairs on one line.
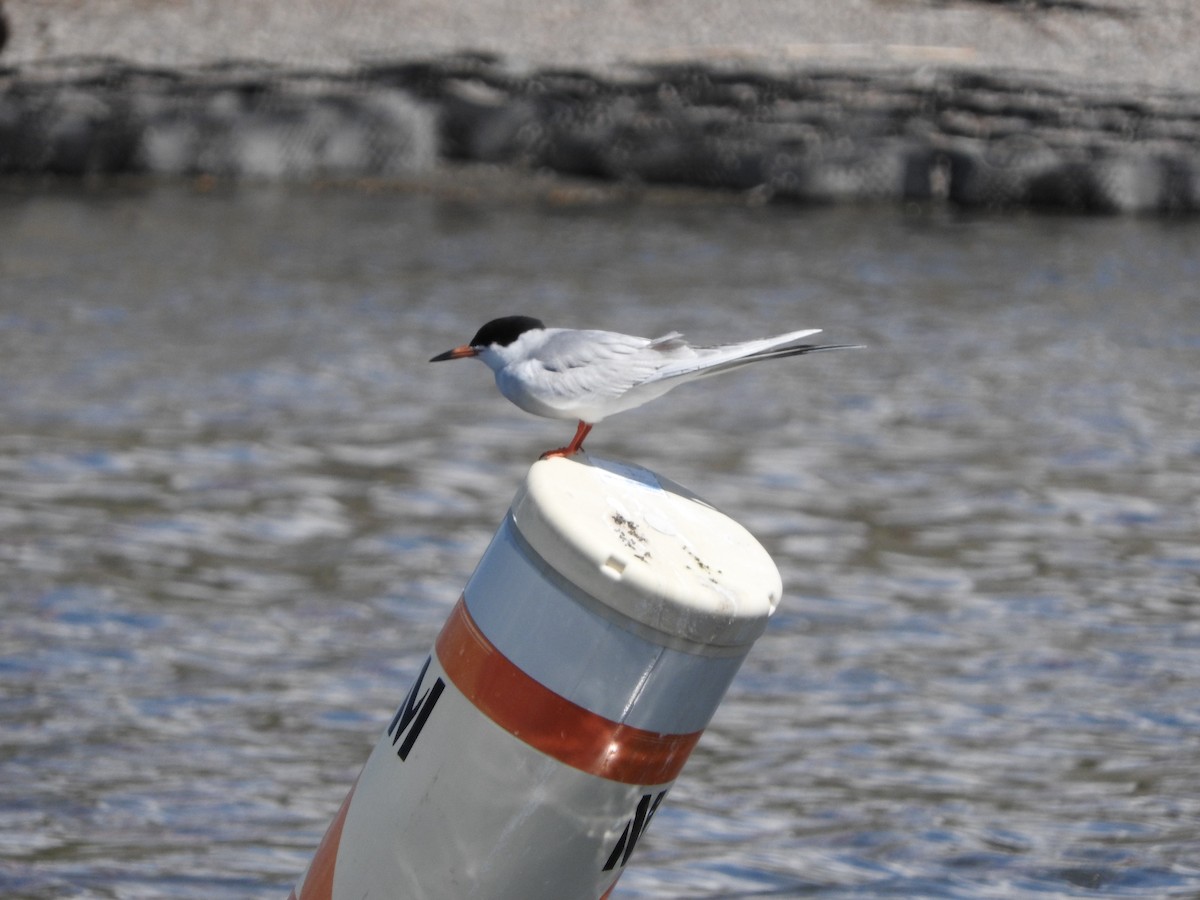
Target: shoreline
[[961, 138], [1076, 105]]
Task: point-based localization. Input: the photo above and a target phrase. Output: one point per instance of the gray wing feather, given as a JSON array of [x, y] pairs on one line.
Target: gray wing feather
[[701, 362], [594, 364]]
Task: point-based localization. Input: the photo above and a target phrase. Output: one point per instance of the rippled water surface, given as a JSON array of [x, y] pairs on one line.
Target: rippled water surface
[[238, 504]]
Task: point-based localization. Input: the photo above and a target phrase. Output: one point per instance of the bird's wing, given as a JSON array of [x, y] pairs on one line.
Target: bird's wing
[[699, 362], [574, 367]]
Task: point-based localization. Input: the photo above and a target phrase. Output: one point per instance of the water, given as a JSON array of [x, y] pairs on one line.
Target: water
[[238, 504]]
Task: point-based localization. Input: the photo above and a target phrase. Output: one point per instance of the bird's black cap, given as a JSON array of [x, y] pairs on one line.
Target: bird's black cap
[[504, 331]]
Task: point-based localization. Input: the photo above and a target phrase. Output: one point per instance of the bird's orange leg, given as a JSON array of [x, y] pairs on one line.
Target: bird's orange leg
[[572, 448]]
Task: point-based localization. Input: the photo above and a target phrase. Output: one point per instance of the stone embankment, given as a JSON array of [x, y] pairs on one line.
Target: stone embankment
[[970, 139]]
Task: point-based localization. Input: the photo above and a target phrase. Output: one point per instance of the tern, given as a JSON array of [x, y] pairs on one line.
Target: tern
[[564, 373]]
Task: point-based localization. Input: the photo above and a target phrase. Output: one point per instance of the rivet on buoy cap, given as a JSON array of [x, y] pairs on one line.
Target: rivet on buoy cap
[[648, 549]]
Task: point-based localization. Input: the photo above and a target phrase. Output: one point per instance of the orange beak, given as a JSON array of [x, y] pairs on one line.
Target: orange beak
[[457, 353]]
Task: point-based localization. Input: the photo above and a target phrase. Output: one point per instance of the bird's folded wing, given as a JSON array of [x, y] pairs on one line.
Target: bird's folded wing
[[583, 366], [702, 361]]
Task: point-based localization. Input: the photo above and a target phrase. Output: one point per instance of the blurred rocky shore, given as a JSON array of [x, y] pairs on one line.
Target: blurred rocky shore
[[959, 121]]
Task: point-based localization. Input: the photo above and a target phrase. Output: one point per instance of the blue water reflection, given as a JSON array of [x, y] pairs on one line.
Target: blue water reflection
[[238, 505]]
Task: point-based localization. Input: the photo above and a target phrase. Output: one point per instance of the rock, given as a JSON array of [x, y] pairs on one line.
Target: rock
[[111, 120], [974, 140]]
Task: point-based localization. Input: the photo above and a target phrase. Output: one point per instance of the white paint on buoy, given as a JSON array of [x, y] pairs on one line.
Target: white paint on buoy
[[562, 697]]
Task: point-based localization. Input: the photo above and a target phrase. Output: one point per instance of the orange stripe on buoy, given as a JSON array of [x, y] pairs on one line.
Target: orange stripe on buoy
[[318, 882], [548, 722]]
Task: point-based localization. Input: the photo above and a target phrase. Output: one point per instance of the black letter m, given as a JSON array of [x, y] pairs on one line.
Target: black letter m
[[633, 830], [414, 711]]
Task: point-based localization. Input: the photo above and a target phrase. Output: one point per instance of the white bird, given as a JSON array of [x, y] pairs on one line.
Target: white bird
[[562, 373]]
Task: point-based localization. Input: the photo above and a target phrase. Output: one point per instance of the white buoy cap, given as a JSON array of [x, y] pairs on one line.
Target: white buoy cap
[[649, 550]]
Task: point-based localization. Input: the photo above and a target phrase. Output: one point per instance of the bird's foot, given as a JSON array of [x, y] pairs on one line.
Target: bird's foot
[[572, 448]]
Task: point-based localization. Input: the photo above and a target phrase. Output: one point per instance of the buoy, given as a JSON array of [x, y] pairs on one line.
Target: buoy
[[561, 699]]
